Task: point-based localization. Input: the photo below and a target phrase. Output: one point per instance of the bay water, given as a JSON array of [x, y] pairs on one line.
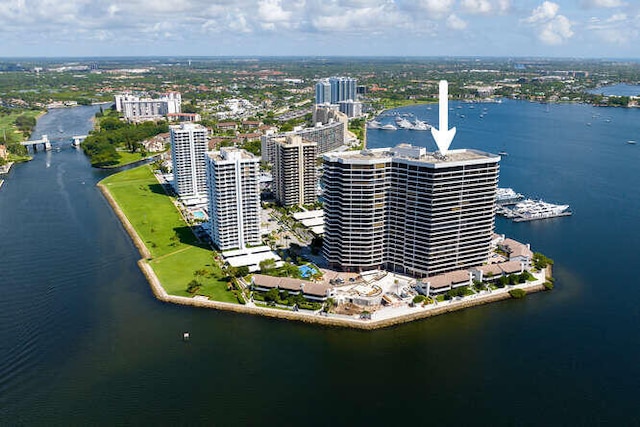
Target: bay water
[[83, 340]]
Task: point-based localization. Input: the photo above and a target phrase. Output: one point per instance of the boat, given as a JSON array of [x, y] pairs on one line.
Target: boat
[[631, 141], [389, 127], [507, 196], [404, 123], [374, 124], [420, 125], [503, 153], [529, 210]]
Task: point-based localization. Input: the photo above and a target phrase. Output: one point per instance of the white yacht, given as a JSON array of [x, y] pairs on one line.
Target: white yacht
[[420, 125], [404, 123], [528, 210], [389, 127]]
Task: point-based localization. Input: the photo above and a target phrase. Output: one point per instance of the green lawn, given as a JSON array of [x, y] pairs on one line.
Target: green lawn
[[127, 158], [176, 270], [176, 253], [150, 211], [7, 123]]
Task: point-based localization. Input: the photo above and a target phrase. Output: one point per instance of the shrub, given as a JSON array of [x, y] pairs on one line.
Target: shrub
[[517, 293], [418, 299], [193, 286], [240, 298], [548, 286]]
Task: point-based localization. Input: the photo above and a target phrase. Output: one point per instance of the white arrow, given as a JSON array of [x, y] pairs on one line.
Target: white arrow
[[444, 135]]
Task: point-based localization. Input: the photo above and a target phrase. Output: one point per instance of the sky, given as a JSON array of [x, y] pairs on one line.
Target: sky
[[561, 28]]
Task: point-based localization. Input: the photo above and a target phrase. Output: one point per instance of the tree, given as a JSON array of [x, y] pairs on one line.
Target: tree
[[267, 265], [242, 271], [517, 293], [193, 286], [502, 281], [271, 295]]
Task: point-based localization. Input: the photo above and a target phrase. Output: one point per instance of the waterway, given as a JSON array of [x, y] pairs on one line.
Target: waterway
[[83, 341]]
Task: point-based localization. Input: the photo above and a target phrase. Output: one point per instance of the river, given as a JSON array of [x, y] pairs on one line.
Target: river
[[83, 341]]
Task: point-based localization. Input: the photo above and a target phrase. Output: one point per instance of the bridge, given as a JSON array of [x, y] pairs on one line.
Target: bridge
[[46, 142]]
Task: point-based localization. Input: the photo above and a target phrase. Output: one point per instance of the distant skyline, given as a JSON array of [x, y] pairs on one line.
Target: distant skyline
[[562, 28]]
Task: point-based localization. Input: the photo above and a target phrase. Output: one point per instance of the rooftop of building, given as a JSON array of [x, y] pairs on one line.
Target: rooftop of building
[[414, 153], [231, 153]]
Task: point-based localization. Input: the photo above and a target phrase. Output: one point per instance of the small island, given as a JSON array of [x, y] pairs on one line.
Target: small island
[[182, 268]]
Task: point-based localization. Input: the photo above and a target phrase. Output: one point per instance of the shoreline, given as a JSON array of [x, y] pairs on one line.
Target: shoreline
[[416, 313]]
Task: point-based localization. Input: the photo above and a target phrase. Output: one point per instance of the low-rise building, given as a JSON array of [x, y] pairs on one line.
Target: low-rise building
[[310, 290], [516, 251]]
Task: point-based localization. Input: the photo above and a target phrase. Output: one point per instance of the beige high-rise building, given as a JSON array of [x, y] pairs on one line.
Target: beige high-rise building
[[294, 171]]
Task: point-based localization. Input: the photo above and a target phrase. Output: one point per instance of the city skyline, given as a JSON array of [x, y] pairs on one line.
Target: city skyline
[[561, 28]]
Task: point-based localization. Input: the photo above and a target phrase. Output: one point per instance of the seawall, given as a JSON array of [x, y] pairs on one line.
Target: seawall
[[306, 317]]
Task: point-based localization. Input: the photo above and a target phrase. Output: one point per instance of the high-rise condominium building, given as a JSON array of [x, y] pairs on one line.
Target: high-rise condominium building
[[136, 108], [294, 171], [407, 210], [234, 198], [329, 137], [188, 145], [323, 92], [336, 89]]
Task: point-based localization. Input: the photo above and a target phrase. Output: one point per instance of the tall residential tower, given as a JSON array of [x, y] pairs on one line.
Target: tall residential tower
[[407, 210], [294, 171], [188, 145], [234, 198]]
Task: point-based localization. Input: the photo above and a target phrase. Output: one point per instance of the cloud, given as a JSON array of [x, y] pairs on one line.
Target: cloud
[[456, 23], [272, 11], [552, 28], [437, 8], [546, 11], [618, 29], [476, 6], [603, 3]]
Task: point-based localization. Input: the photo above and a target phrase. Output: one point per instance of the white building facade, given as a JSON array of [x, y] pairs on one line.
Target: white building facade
[[188, 147], [136, 108], [234, 198]]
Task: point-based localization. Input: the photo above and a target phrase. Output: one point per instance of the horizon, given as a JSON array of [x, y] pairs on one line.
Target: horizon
[[327, 57], [355, 28]]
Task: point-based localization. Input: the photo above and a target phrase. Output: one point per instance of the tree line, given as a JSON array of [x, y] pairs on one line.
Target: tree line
[[102, 145]]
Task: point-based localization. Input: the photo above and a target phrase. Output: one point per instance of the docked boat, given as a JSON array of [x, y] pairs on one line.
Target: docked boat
[[389, 127], [529, 210], [420, 125], [507, 196], [404, 123], [374, 124]]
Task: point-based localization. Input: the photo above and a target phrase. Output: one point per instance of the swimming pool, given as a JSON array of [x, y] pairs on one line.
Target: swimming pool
[[199, 215], [307, 271]]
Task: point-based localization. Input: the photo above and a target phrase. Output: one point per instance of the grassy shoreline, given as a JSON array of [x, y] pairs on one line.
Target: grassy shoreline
[[163, 238]]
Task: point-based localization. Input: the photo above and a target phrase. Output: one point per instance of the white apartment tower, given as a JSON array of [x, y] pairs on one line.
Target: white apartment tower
[[188, 147], [136, 108], [294, 171], [234, 198], [407, 210]]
